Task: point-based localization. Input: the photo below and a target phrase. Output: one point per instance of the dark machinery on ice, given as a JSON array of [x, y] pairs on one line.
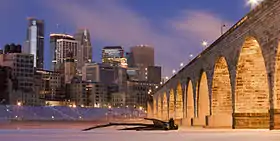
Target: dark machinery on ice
[[157, 125]]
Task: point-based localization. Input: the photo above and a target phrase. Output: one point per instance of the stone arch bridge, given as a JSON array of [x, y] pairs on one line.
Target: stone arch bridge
[[234, 83]]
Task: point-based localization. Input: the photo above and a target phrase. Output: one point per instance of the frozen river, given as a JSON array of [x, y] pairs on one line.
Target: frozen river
[[111, 134]]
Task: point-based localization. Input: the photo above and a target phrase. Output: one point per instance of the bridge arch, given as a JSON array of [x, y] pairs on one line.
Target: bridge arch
[[221, 106], [251, 91], [179, 102], [155, 107], [277, 80], [221, 89], [171, 104], [164, 107], [203, 101], [159, 107], [190, 102]]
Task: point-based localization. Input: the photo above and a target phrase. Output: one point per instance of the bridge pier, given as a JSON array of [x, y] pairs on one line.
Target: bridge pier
[[187, 121], [251, 120], [220, 121], [199, 121], [178, 122], [275, 119]]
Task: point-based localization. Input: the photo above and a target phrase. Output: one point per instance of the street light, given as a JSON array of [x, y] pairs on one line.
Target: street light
[[182, 64], [204, 44], [19, 104], [254, 3], [166, 77], [74, 106], [174, 71]]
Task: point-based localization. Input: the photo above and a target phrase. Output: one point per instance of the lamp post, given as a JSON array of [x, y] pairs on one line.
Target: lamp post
[[222, 29]]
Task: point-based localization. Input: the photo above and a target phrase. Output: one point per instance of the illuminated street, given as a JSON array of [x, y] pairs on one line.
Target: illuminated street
[[110, 134]]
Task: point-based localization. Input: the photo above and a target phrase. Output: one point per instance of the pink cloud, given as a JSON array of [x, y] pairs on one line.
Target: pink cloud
[[200, 24], [116, 24]]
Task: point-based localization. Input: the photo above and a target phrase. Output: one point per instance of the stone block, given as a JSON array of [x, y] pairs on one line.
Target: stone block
[[251, 121], [187, 122], [276, 119], [178, 121], [220, 121], [199, 121]]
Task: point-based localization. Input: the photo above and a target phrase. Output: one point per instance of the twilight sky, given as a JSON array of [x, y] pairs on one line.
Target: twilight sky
[[175, 28]]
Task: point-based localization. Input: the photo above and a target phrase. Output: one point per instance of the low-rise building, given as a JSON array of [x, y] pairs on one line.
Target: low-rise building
[[118, 99], [49, 85], [22, 68], [6, 85], [100, 94], [138, 93]]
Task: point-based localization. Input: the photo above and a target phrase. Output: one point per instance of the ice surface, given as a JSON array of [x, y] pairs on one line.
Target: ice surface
[[111, 134], [8, 112]]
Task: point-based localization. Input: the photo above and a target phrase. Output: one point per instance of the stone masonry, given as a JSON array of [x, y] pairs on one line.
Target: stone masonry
[[235, 82]]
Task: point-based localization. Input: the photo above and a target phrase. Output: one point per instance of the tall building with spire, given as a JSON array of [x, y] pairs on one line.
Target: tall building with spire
[[85, 48], [35, 41]]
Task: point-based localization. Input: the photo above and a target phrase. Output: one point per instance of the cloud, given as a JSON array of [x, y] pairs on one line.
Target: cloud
[[116, 24], [200, 24]]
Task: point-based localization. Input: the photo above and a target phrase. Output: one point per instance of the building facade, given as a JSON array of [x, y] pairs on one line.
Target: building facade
[[118, 99], [66, 48], [79, 93], [48, 85], [22, 69], [138, 93], [35, 41], [69, 70], [154, 74], [85, 48], [142, 57], [7, 85], [114, 55], [53, 47], [90, 94], [98, 72], [99, 94]]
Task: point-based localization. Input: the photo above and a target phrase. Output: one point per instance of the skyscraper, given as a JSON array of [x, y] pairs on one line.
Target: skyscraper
[[65, 49], [35, 41], [142, 57], [85, 48], [53, 47]]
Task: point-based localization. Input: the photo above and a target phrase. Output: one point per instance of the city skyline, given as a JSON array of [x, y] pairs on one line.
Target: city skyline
[[165, 26]]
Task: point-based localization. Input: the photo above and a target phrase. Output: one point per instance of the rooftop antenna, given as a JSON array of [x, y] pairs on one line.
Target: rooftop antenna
[[58, 26]]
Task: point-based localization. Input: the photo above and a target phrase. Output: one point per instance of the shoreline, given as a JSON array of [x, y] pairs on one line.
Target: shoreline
[[58, 124]]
